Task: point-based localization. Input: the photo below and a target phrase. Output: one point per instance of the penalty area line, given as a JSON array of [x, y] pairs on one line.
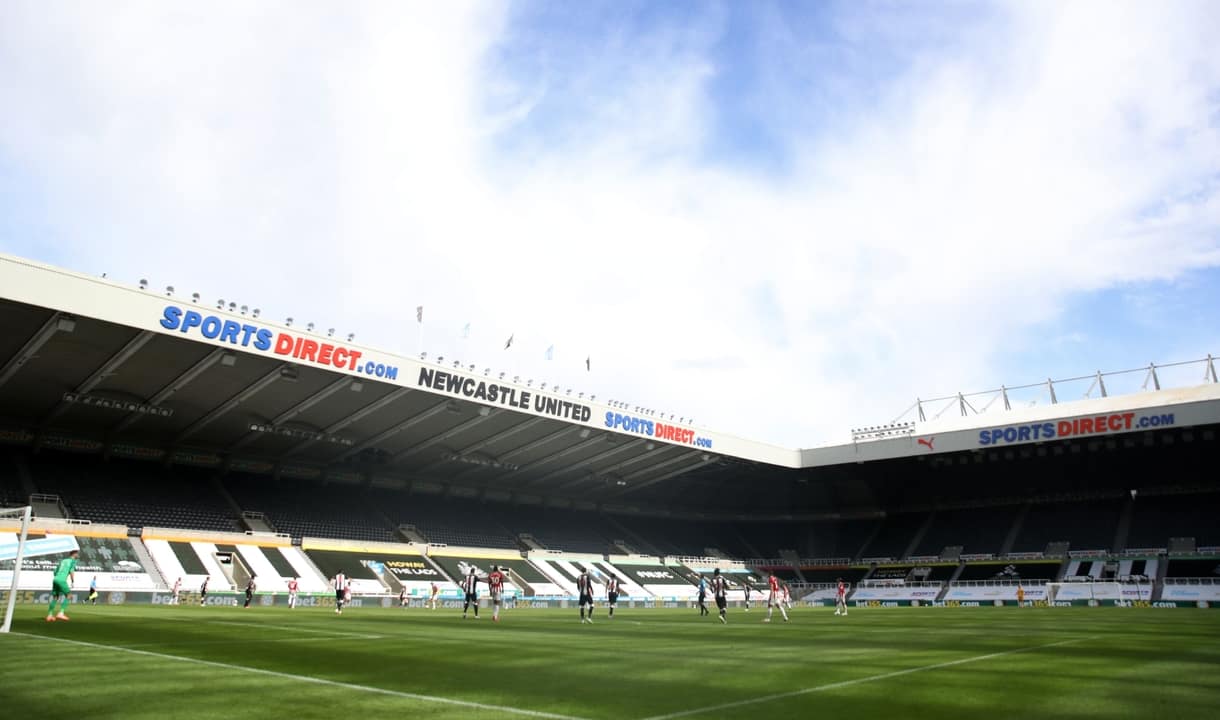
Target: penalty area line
[[313, 680], [860, 681]]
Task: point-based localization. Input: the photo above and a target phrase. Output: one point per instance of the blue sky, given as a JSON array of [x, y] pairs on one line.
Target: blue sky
[[782, 219]]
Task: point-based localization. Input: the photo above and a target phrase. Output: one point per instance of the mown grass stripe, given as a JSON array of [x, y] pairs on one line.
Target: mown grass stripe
[[313, 680], [856, 681]]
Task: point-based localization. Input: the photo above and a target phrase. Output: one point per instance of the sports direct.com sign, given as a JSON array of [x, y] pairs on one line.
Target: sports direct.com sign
[[1092, 425], [251, 336]]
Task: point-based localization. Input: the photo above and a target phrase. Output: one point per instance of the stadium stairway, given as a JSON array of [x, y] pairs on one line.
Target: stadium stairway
[[1124, 526], [794, 560], [146, 560], [412, 534], [639, 542], [915, 541], [555, 576], [1011, 538], [1158, 582], [862, 551], [952, 579], [24, 476]]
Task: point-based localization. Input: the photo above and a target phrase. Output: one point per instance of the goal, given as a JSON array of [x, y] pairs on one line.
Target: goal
[[1088, 591], [12, 549]]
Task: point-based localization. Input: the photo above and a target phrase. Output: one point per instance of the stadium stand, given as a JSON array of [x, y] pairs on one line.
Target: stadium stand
[[839, 538], [1087, 525], [10, 485], [976, 530], [897, 532], [132, 493], [764, 539], [671, 536], [447, 520], [1193, 568], [558, 529], [319, 511], [1036, 570], [1156, 518], [851, 574]]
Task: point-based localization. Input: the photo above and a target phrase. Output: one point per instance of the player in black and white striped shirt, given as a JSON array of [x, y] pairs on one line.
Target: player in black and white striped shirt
[[720, 590], [611, 593], [584, 589], [470, 584], [340, 583]]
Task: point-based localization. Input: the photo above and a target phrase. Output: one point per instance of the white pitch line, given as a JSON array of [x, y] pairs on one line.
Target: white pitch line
[[313, 680], [859, 681]]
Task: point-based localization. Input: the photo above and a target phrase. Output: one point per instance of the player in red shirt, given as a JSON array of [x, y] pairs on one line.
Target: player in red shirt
[[292, 593], [774, 599], [841, 599], [495, 586]]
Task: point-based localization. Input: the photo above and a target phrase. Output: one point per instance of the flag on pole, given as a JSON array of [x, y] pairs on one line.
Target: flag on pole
[[419, 313], [466, 332], [550, 353], [509, 344], [587, 363]]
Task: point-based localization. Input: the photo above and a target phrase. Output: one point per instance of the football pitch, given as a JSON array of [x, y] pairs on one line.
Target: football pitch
[[943, 663]]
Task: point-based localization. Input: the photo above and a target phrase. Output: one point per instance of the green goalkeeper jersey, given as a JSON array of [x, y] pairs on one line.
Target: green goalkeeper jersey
[[65, 568]]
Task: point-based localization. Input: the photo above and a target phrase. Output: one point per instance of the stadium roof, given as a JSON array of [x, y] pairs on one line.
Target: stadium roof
[[93, 364], [87, 360]]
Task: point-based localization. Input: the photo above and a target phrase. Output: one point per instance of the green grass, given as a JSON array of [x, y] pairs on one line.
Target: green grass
[[1057, 663]]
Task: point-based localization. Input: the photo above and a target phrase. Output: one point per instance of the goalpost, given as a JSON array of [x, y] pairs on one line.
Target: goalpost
[[1092, 591], [17, 553]]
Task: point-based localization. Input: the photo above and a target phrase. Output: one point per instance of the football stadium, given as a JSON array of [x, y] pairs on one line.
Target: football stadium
[[269, 521]]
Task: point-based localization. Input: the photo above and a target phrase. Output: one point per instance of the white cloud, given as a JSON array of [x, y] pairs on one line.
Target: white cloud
[[345, 168]]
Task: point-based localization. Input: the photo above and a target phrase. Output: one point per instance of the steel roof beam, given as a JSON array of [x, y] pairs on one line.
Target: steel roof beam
[[589, 461], [507, 432], [295, 410], [533, 444], [353, 418], [568, 451], [653, 481], [250, 391], [107, 369], [392, 431], [29, 351], [457, 429], [178, 383]]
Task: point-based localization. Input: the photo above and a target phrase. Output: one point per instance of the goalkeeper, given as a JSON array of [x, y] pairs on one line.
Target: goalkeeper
[[61, 586]]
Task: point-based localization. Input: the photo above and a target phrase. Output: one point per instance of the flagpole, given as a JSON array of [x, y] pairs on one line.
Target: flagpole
[[419, 320]]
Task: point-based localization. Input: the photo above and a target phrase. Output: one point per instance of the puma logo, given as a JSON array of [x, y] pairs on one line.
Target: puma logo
[[927, 442]]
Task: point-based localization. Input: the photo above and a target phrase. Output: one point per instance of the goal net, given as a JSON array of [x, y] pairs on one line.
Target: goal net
[[12, 550], [1087, 591]]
